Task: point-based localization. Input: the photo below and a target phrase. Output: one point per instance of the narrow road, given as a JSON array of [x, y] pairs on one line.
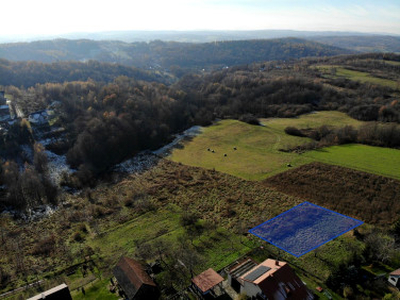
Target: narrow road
[[9, 293]]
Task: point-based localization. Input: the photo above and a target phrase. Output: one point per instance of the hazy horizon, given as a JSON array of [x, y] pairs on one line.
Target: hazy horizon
[[42, 17]]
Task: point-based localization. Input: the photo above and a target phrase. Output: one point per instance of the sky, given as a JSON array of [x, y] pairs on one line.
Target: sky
[[44, 17]]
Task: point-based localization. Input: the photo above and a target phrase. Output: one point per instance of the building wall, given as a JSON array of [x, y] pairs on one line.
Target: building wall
[[250, 289], [394, 280]]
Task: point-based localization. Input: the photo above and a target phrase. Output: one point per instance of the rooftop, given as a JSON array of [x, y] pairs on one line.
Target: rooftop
[[242, 268], [47, 294], [262, 271], [131, 275], [207, 280], [395, 272], [277, 280]]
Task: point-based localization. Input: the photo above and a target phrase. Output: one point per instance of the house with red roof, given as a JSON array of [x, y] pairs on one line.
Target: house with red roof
[[205, 282], [273, 279], [133, 280]]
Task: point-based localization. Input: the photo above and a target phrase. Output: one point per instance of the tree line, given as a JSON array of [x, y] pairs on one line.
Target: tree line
[[372, 133], [30, 73]]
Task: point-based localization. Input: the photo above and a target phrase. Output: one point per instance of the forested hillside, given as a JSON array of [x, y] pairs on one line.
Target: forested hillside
[[376, 43], [32, 72], [174, 55]]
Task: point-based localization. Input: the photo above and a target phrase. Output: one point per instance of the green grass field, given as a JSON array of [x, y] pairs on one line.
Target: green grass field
[[219, 247], [393, 63], [257, 156], [376, 160], [363, 77], [95, 290]]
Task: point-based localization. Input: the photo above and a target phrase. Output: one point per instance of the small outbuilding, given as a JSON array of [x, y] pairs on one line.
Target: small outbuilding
[[207, 281], [394, 278], [60, 292], [133, 280]]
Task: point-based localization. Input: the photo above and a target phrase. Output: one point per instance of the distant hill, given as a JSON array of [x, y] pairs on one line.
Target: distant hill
[[28, 74], [376, 43], [192, 36], [159, 54]]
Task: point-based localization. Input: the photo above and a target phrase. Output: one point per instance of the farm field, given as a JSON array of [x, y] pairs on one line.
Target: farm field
[[257, 156], [376, 160], [363, 77], [367, 197]]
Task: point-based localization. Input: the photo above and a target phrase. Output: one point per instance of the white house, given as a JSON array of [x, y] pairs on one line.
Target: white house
[[394, 278]]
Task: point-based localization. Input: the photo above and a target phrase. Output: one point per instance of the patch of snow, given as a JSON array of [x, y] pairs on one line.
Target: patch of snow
[[145, 160], [137, 164], [46, 142], [39, 212], [191, 132], [32, 214], [57, 165]]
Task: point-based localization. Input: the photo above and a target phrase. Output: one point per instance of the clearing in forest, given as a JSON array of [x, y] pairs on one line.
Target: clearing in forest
[[363, 77], [252, 152]]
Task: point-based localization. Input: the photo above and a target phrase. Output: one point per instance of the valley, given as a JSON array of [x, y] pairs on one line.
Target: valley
[[172, 167]]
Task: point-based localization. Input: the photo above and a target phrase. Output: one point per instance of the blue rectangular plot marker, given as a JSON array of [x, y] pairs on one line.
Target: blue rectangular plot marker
[[304, 228]]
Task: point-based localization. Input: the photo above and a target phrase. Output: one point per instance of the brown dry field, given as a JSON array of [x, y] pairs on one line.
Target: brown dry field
[[371, 198]]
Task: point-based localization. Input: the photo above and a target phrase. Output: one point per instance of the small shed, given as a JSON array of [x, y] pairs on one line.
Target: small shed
[[60, 292], [206, 281], [133, 280], [394, 278]]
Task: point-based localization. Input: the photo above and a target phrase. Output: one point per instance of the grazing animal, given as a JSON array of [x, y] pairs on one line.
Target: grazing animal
[[225, 154], [288, 165], [212, 151], [208, 149], [234, 148]]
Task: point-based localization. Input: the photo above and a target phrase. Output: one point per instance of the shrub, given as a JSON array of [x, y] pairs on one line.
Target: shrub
[[250, 119], [82, 228], [189, 218], [294, 131], [77, 236], [4, 277], [44, 246], [128, 201]]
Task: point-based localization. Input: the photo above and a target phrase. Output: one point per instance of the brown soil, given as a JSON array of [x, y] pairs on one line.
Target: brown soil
[[370, 198]]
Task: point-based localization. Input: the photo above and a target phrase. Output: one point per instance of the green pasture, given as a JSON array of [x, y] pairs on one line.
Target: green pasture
[[364, 77], [219, 247], [257, 156], [377, 160], [393, 63]]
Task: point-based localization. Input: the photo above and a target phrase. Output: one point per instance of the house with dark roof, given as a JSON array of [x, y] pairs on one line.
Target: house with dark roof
[[60, 292], [272, 279], [237, 270], [394, 278], [133, 280]]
